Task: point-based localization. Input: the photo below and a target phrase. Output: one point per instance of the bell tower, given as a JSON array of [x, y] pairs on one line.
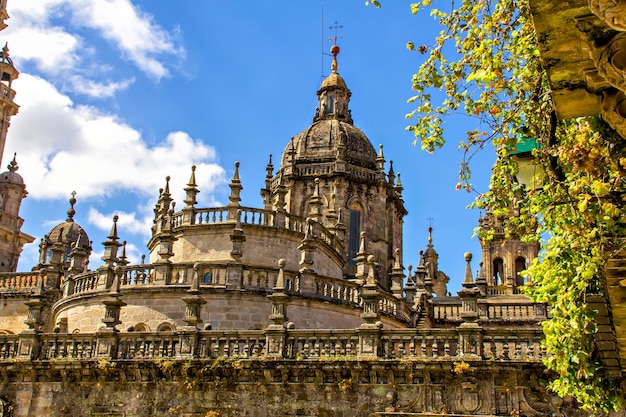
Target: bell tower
[[504, 256], [8, 73], [12, 187]]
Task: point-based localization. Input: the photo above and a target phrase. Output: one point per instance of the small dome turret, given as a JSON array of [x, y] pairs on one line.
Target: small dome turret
[[66, 235], [332, 136], [11, 176]]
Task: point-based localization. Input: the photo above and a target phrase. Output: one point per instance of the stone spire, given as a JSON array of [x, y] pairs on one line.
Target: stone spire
[[191, 190], [111, 245], [235, 194]]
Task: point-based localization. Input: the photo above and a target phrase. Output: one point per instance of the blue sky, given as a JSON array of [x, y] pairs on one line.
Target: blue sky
[[117, 94]]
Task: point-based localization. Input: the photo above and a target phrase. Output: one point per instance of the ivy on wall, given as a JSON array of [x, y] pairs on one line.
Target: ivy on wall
[[486, 62]]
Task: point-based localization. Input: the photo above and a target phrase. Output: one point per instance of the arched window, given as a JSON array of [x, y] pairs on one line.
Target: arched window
[[208, 278], [520, 265], [498, 271], [141, 327], [165, 327], [354, 235]]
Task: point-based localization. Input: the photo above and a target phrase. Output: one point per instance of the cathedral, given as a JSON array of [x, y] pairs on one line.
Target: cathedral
[[301, 307]]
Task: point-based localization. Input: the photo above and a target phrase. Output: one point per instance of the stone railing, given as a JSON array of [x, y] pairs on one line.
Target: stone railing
[[20, 282], [84, 283], [512, 312], [258, 217], [447, 312], [504, 311], [503, 290], [338, 290], [442, 344]]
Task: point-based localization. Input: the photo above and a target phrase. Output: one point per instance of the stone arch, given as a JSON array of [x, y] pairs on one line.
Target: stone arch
[[141, 327], [520, 265], [498, 271], [165, 327], [356, 215]]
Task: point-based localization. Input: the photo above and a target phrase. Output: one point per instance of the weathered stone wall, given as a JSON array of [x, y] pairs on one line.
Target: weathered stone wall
[[332, 387], [14, 312], [223, 310]]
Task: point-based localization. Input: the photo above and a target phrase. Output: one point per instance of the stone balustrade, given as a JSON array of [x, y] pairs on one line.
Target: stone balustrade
[[257, 217], [20, 281], [441, 344], [493, 311]]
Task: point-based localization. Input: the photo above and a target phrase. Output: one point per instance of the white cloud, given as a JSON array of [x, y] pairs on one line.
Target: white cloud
[[62, 147], [135, 33], [40, 32], [51, 48], [98, 89], [126, 223]]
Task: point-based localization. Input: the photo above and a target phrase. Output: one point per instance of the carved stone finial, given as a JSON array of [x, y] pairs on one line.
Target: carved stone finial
[[13, 164], [71, 212]]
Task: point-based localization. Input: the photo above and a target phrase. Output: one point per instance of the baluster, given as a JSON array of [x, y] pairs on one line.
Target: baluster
[[435, 347], [446, 347], [505, 349], [518, 349]]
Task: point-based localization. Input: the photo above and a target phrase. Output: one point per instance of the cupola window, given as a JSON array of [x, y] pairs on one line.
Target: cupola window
[[330, 105]]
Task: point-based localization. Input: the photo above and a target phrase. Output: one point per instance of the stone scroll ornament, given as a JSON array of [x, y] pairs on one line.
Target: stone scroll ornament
[[614, 110], [610, 62], [612, 12]]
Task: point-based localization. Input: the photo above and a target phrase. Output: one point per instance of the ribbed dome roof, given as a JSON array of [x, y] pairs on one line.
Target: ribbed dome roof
[[320, 141], [68, 233], [334, 80]]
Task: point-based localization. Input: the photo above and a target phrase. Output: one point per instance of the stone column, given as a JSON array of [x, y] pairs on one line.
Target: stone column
[[30, 339], [275, 333], [108, 336], [369, 332], [234, 268], [193, 311], [470, 333]]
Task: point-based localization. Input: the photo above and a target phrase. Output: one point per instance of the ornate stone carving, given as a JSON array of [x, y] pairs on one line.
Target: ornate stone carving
[[611, 61], [614, 110], [612, 12], [470, 400]]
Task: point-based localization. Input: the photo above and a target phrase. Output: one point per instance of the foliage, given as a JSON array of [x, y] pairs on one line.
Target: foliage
[[485, 63]]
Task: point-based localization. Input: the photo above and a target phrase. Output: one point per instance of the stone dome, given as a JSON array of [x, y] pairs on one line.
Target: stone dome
[[320, 143], [10, 177], [68, 233], [334, 80]]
